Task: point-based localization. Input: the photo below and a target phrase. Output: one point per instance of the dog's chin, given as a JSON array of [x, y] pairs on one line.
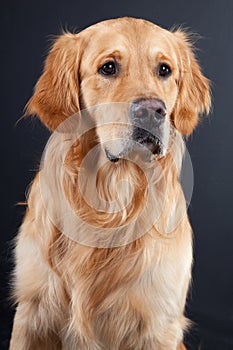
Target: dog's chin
[[147, 151]]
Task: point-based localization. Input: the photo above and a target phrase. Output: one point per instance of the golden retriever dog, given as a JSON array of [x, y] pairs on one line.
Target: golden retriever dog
[[104, 254]]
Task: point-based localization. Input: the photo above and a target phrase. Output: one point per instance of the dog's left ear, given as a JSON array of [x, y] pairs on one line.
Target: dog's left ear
[[194, 89], [56, 95]]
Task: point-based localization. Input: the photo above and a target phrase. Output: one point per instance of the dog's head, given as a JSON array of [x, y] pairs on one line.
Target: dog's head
[[151, 74]]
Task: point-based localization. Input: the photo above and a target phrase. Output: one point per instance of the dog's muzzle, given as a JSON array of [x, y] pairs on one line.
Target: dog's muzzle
[[147, 121]]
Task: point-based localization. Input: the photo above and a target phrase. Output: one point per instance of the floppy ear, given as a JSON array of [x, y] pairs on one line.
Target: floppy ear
[[194, 89], [56, 95]]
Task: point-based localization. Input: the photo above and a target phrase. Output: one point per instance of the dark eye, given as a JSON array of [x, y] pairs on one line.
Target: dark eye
[[108, 68], [164, 70]]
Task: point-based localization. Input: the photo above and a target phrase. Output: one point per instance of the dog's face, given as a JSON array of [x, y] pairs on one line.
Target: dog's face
[[148, 74], [132, 62]]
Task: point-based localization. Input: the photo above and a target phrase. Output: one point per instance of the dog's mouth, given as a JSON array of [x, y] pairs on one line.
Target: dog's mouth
[[111, 157], [147, 145], [152, 143]]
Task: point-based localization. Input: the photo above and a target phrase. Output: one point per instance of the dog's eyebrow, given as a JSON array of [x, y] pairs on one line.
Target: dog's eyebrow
[[109, 53], [106, 55], [164, 57]]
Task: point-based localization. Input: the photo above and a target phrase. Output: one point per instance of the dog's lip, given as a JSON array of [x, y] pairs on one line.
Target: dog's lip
[[111, 157]]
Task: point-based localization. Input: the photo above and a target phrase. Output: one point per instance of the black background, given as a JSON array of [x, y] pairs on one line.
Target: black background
[[25, 34]]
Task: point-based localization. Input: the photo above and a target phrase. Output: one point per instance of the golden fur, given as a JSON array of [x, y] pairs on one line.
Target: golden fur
[[74, 296]]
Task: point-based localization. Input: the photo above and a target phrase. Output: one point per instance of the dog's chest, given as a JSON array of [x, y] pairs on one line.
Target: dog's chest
[[141, 309]]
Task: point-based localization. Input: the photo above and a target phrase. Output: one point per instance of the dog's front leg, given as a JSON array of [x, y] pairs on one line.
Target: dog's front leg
[[28, 331]]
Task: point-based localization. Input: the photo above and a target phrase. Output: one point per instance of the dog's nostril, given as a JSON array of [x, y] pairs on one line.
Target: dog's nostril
[[161, 111]]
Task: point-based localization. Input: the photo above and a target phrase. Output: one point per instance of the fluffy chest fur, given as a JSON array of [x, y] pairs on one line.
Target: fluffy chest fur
[[126, 297]]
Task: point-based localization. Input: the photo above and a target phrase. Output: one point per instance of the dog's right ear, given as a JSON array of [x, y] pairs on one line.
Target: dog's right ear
[[56, 94]]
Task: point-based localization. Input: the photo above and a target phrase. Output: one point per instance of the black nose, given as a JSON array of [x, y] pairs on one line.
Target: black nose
[[148, 119], [145, 107]]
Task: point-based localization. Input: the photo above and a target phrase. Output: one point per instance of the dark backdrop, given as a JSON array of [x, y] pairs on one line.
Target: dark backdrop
[[26, 26]]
